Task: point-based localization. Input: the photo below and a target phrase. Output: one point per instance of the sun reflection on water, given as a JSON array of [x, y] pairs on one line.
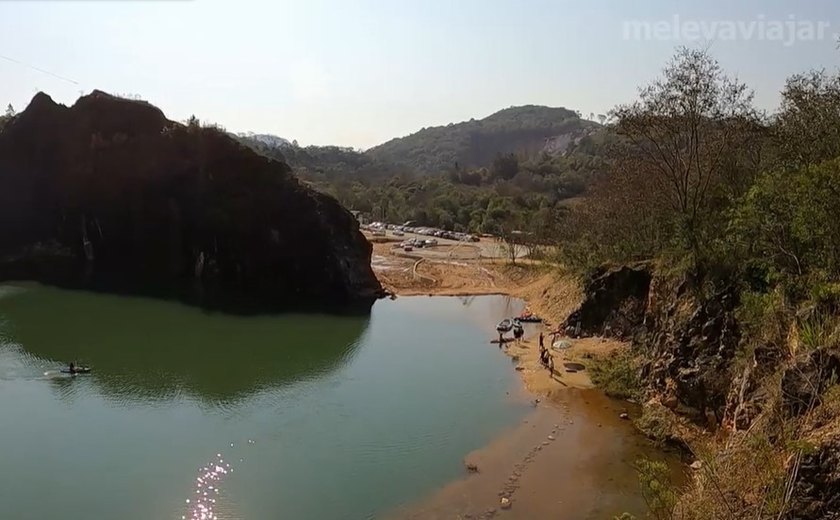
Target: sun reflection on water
[[207, 485]]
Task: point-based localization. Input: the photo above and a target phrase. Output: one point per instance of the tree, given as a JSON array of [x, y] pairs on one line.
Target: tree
[[682, 134], [514, 239], [10, 113], [602, 118], [790, 221], [505, 166], [807, 128]]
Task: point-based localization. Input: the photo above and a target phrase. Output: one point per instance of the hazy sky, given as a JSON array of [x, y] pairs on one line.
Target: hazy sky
[[358, 72]]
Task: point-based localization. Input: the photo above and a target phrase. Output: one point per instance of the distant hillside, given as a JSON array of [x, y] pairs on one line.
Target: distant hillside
[[519, 165], [317, 163], [266, 139], [526, 130]]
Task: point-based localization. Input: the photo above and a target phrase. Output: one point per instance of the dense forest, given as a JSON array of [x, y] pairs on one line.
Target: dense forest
[[524, 131], [557, 156]]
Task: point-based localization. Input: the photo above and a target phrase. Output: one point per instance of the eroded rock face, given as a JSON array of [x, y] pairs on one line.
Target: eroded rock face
[[804, 383], [615, 300], [690, 343], [816, 493], [110, 194]]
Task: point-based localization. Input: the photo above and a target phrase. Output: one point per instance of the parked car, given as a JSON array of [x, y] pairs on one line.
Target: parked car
[[398, 233]]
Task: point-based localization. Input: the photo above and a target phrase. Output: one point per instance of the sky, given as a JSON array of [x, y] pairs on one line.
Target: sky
[[360, 72]]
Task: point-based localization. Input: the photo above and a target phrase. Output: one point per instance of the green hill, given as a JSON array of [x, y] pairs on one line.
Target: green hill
[[525, 131]]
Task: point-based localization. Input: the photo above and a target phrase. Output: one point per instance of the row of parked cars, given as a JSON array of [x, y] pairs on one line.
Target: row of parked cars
[[431, 232], [382, 229], [411, 243]]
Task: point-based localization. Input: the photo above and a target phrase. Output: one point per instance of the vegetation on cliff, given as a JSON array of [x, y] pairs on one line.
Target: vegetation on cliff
[[738, 212]]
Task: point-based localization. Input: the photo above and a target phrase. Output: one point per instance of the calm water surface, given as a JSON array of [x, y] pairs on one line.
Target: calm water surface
[[188, 412]]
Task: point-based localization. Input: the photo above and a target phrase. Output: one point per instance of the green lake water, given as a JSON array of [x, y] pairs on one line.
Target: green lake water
[[292, 416]]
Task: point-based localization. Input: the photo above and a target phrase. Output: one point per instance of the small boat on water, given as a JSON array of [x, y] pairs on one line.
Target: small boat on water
[[529, 317], [505, 325], [76, 370]]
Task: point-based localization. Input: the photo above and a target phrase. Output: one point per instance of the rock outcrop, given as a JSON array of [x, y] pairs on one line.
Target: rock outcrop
[[804, 382], [111, 195], [816, 491], [690, 343], [686, 339], [615, 301]]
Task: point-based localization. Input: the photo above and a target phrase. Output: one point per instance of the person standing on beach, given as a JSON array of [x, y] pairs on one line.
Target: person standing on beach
[[542, 346]]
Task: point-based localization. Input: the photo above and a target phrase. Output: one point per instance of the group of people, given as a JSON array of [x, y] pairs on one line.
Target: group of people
[[546, 359]]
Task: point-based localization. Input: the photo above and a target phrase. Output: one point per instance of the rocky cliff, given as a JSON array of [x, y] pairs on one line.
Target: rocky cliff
[[111, 195], [754, 396]]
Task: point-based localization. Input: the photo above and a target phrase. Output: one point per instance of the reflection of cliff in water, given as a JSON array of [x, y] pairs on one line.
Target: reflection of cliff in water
[[148, 349]]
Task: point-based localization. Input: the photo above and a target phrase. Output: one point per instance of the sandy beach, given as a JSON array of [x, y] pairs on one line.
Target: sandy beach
[[549, 295], [573, 456]]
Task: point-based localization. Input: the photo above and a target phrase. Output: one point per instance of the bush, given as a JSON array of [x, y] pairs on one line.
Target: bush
[[659, 493], [617, 375]]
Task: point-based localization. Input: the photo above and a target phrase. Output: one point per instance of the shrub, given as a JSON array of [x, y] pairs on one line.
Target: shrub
[[617, 375]]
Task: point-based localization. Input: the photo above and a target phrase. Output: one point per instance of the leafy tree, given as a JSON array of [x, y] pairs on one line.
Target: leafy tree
[[9, 114], [513, 239], [790, 221], [505, 166], [807, 128], [681, 134]]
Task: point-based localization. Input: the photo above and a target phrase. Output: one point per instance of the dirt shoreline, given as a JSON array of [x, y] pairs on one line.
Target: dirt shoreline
[[571, 458], [549, 295], [573, 455]]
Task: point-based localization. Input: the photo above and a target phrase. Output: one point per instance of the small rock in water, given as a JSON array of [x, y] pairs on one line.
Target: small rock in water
[[624, 416], [505, 503], [697, 465]]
